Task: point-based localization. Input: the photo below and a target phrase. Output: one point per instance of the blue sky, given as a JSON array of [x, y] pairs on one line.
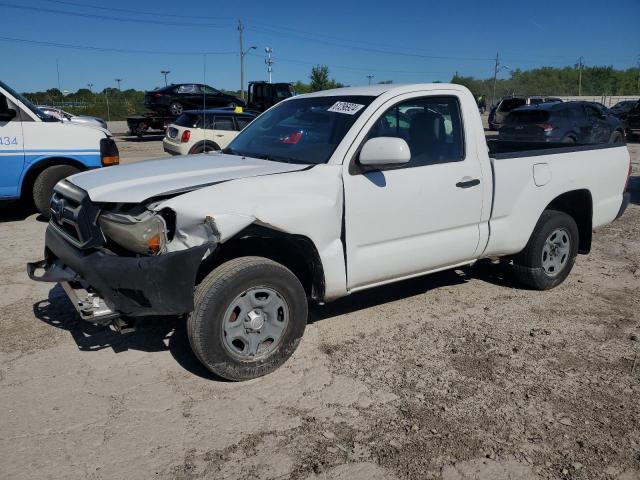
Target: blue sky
[[403, 41]]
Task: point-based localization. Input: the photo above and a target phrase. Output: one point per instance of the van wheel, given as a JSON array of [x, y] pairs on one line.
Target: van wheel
[[43, 186], [550, 253], [249, 316]]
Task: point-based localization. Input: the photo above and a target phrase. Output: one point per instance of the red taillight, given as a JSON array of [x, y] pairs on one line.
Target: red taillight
[[186, 135], [547, 127], [157, 95]]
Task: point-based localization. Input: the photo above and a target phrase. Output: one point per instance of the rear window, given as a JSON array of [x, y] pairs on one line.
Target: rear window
[[511, 104], [528, 116], [189, 120]]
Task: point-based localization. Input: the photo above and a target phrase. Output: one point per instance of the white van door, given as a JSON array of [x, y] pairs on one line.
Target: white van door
[[11, 147]]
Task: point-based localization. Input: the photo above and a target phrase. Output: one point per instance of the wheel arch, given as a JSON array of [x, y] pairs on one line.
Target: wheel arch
[[196, 146], [296, 252], [578, 204], [34, 169]]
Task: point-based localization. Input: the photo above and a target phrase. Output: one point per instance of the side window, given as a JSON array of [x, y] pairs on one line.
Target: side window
[[187, 89], [243, 122], [223, 123], [431, 126], [6, 105]]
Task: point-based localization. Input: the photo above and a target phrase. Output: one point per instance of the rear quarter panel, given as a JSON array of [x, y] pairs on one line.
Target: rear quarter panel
[[519, 202]]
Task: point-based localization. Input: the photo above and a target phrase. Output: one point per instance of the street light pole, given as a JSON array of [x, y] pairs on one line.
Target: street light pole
[[119, 80], [90, 85], [580, 65], [495, 79], [370, 77], [165, 73], [243, 53]]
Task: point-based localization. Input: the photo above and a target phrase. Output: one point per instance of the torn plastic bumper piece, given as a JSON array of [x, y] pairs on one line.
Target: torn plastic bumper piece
[[103, 286]]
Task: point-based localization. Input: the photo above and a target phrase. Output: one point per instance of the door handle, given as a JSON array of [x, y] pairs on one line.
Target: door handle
[[468, 183]]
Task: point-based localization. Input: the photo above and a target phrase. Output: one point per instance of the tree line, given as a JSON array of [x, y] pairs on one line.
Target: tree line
[[114, 104]]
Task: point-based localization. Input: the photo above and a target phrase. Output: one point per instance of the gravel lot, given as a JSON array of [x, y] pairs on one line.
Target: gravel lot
[[460, 375]]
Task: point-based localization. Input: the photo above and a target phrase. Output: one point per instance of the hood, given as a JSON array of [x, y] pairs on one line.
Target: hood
[[140, 181]]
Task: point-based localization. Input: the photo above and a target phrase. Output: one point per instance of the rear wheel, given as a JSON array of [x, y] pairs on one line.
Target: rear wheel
[[550, 253], [176, 108], [44, 183], [204, 148], [616, 137], [568, 139], [249, 316]]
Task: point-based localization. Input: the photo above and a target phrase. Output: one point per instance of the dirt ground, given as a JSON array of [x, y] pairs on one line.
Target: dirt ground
[[460, 375]]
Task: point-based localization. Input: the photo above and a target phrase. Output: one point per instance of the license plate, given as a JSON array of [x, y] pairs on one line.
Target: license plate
[[173, 132]]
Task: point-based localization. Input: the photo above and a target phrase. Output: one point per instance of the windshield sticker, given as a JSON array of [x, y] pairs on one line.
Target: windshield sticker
[[346, 107]]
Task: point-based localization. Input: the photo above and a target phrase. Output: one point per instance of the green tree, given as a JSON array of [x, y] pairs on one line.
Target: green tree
[[320, 79]]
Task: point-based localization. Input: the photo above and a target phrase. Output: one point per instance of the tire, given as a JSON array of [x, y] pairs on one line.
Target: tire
[[568, 139], [44, 183], [176, 108], [537, 266], [221, 329], [616, 137], [204, 148]]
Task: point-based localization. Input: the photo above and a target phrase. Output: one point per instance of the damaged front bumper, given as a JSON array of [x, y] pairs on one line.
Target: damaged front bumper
[[104, 286]]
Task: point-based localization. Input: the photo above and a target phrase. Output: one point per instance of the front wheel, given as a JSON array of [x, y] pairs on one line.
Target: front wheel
[[550, 253], [176, 108], [249, 316], [44, 183]]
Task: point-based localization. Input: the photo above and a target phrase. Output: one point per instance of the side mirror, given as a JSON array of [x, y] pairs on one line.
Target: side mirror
[[385, 151], [8, 115]]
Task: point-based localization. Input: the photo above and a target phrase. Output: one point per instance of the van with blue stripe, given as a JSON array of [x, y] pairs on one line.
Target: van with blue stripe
[[37, 150]]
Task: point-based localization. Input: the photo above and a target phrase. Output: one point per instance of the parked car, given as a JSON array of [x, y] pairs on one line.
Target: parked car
[[632, 121], [70, 117], [505, 105], [37, 150], [621, 109], [263, 95], [200, 131], [566, 122], [174, 99], [316, 199]]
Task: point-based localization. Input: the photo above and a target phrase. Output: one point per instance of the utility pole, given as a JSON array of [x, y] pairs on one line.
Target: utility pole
[[580, 65], [495, 78], [269, 61], [639, 74], [243, 54], [370, 77], [165, 73], [58, 73], [90, 85], [119, 80]]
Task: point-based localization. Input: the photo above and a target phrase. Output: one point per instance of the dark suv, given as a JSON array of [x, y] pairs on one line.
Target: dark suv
[[568, 122], [174, 99], [500, 111]]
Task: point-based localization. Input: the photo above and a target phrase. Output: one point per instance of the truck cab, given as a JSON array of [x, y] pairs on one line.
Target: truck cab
[[263, 95], [37, 150]]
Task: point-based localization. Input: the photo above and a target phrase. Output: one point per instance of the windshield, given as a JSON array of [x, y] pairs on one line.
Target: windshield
[[39, 113], [303, 130]]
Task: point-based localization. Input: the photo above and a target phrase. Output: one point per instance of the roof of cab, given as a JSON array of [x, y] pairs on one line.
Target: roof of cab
[[377, 90]]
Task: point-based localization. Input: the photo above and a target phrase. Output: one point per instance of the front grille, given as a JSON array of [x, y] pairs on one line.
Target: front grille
[[75, 216]]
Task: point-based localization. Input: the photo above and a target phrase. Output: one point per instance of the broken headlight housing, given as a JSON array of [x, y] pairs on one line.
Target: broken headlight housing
[[145, 233]]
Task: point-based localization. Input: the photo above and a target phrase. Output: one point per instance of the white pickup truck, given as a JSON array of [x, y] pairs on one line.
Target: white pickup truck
[[322, 195]]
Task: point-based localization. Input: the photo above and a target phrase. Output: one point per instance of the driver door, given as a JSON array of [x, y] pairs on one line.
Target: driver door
[[420, 217], [11, 148]]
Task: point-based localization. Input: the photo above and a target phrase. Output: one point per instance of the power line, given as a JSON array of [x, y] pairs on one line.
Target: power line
[[117, 19], [139, 12], [105, 49], [373, 50]]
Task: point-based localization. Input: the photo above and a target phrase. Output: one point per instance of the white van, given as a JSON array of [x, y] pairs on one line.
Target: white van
[[37, 150]]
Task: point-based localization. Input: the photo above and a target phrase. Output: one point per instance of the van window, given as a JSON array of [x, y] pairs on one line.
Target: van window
[[431, 126]]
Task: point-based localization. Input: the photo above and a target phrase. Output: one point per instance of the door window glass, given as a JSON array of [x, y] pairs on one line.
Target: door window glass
[[223, 123], [431, 126], [188, 89]]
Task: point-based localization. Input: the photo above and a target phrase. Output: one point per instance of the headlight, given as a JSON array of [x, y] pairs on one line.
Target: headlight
[[146, 233]]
